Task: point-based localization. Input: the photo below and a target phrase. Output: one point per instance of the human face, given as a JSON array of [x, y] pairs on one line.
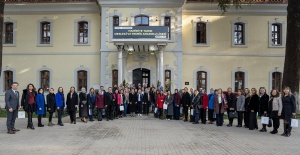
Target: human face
[[30, 87], [109, 90], [14, 86], [229, 90], [60, 90], [72, 89], [252, 91], [262, 90], [239, 93], [41, 91], [176, 91], [51, 91], [101, 88], [274, 92], [246, 91], [286, 91], [219, 91]]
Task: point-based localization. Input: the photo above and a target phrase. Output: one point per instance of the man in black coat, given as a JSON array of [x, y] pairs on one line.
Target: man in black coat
[[186, 102], [146, 100], [231, 102], [192, 95], [108, 100]]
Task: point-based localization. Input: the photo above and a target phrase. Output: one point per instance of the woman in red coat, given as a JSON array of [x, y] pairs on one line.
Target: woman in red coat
[[99, 103], [160, 102], [205, 106]]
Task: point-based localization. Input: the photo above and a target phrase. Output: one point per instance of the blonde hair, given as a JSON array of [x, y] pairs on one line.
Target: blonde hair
[[290, 91]]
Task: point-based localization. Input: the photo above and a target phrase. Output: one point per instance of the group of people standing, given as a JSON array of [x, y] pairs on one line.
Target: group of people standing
[[121, 101]]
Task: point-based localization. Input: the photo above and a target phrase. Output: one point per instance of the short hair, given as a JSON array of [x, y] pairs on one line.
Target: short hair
[[15, 83]]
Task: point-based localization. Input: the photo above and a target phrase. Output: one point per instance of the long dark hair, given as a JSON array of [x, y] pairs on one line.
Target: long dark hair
[[62, 90], [39, 91], [30, 84], [71, 88]]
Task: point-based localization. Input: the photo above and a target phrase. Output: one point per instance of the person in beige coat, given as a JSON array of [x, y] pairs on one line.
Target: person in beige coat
[[275, 108]]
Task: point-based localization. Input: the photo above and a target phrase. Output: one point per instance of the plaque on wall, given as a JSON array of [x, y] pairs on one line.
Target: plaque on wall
[[187, 83]]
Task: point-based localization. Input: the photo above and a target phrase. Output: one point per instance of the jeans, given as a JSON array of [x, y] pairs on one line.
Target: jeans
[[92, 108], [197, 117], [125, 108], [99, 113], [220, 119], [176, 112], [140, 107], [59, 114]]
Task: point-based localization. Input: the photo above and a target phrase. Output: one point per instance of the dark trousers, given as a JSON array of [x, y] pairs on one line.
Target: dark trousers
[[276, 122], [197, 115], [220, 119], [29, 117], [246, 118], [230, 119], [99, 110], [140, 107], [186, 112], [50, 116], [40, 119], [160, 111], [192, 118], [108, 112], [11, 118], [146, 108], [176, 112], [211, 115], [240, 118], [59, 115], [125, 109], [92, 110], [252, 121], [203, 115], [72, 116]]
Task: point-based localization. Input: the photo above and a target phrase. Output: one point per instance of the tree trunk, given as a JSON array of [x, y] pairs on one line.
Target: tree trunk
[[1, 30], [291, 76]]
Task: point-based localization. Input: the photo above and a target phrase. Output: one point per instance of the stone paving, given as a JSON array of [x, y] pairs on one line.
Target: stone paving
[[143, 135]]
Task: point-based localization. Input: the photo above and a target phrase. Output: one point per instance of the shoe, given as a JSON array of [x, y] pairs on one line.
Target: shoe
[[92, 120], [49, 124], [71, 122], [82, 120], [195, 123], [74, 122], [61, 124], [229, 125], [11, 132], [238, 126], [263, 130], [274, 132], [40, 125], [283, 134], [141, 115], [16, 130]]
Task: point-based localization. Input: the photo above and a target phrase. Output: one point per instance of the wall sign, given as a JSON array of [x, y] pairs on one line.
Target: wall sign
[[187, 83], [140, 32]]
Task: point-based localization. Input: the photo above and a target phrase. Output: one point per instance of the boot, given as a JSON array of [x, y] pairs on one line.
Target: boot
[[289, 130], [285, 130], [274, 131]]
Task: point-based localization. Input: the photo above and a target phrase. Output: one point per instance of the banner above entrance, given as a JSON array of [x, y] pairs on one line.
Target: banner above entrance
[[141, 32]]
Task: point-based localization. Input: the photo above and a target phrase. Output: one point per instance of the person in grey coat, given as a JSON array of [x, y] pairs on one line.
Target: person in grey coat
[[196, 102], [12, 105], [240, 106], [169, 102]]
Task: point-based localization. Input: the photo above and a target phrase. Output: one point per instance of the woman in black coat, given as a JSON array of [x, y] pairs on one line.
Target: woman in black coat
[[83, 105], [253, 109], [72, 104], [247, 111], [28, 102], [288, 110], [51, 105], [132, 103], [263, 105]]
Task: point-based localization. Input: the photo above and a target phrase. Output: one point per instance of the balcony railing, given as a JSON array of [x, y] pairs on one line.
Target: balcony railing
[[246, 1], [47, 1]]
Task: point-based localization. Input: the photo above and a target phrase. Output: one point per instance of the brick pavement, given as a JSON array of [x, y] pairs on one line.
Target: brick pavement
[[143, 135]]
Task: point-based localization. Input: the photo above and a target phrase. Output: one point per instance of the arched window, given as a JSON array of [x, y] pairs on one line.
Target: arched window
[[167, 79], [82, 79], [115, 77], [9, 30], [83, 28], [201, 80], [116, 21], [45, 33], [8, 79], [45, 80], [141, 20], [201, 33], [276, 81], [239, 82]]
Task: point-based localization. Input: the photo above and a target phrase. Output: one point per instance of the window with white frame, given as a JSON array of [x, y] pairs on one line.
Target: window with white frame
[[239, 33], [7, 77], [239, 79], [201, 32], [82, 32], [9, 32], [45, 32], [45, 80], [277, 33]]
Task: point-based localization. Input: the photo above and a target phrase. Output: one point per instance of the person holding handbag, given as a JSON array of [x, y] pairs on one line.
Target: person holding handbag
[[263, 106], [28, 102], [275, 109], [231, 102], [197, 106], [169, 102], [219, 106], [240, 106], [288, 110]]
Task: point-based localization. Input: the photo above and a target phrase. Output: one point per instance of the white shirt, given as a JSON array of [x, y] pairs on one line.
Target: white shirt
[[220, 99]]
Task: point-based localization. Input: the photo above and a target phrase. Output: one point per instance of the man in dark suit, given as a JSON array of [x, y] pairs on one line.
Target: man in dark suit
[[185, 100], [12, 105], [108, 100]]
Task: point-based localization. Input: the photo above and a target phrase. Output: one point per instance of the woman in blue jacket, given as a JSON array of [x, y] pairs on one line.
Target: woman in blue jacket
[[40, 106], [60, 104], [211, 99]]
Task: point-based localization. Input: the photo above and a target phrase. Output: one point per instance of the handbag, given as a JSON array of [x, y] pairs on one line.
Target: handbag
[[233, 115], [121, 108], [192, 112], [21, 114], [294, 123], [264, 120], [199, 106], [165, 106]]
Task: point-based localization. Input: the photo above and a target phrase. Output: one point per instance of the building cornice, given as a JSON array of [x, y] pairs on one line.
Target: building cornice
[[141, 3]]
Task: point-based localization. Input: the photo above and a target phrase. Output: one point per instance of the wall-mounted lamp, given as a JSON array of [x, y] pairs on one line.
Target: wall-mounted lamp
[[156, 19]]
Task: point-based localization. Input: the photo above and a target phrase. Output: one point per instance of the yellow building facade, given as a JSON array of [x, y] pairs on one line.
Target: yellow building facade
[[74, 44]]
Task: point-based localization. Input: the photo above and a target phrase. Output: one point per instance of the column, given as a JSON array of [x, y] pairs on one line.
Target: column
[[120, 63], [161, 64], [157, 70], [125, 66]]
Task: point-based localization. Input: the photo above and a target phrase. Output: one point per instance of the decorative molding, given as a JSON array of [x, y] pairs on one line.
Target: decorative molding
[[103, 30], [9, 20], [282, 31], [38, 76], [51, 53], [207, 22], [141, 3], [245, 23], [76, 79], [239, 69], [201, 68], [276, 69], [76, 21], [238, 54], [141, 12], [39, 22], [110, 24], [2, 92]]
